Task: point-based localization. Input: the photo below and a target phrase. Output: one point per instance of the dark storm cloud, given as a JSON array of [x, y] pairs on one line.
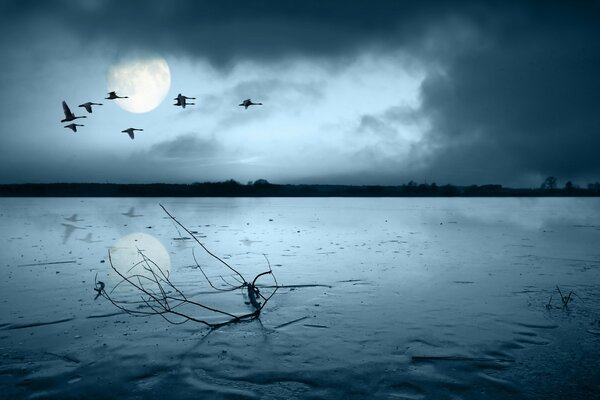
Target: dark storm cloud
[[523, 100], [228, 30]]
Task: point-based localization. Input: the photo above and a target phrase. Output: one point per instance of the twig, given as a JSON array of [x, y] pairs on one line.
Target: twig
[[200, 243], [549, 306], [209, 281], [291, 322], [159, 296], [565, 299], [47, 263]]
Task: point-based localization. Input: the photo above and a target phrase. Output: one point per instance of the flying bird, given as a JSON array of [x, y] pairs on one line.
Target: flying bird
[[180, 100], [113, 95], [69, 116], [73, 126], [88, 106], [247, 103], [130, 131]]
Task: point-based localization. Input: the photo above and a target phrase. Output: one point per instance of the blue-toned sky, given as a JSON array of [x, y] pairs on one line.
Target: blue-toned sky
[[354, 92]]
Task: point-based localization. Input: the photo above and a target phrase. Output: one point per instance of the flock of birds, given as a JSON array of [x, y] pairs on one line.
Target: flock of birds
[[70, 228], [180, 101]]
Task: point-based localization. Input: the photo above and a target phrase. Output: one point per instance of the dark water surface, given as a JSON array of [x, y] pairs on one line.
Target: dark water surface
[[407, 298]]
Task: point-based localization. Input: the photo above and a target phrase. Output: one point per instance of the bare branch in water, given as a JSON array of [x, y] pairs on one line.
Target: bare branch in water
[[159, 296]]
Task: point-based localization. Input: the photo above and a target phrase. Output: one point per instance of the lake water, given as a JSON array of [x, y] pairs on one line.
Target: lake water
[[399, 298]]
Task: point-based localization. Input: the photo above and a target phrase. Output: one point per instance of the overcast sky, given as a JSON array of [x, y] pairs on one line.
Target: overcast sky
[[354, 92]]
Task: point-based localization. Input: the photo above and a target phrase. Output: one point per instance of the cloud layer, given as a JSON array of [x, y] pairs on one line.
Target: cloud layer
[[485, 92]]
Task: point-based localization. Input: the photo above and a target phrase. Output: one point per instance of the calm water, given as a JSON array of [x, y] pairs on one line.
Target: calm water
[[409, 298]]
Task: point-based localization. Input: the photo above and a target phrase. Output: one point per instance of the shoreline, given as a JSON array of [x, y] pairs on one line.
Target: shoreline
[[264, 189]]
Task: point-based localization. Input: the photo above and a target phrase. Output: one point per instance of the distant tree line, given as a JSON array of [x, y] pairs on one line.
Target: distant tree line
[[263, 188], [550, 184]]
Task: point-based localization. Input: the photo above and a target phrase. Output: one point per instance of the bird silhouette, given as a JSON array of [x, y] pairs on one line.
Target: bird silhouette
[[130, 131], [73, 218], [248, 242], [88, 239], [247, 103], [181, 100], [69, 229], [131, 213], [88, 106], [73, 126], [113, 95], [69, 116]]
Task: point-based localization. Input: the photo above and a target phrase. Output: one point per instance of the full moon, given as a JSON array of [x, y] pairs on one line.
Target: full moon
[[125, 254], [145, 81]]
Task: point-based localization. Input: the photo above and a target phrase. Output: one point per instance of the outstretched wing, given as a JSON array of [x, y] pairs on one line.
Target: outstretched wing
[[66, 110], [87, 106], [130, 133]]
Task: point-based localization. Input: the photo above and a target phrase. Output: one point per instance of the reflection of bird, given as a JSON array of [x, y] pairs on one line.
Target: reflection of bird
[[69, 229], [88, 105], [88, 239], [113, 95], [131, 213], [73, 218], [69, 116], [248, 242], [247, 103], [73, 126], [130, 131], [180, 100]]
